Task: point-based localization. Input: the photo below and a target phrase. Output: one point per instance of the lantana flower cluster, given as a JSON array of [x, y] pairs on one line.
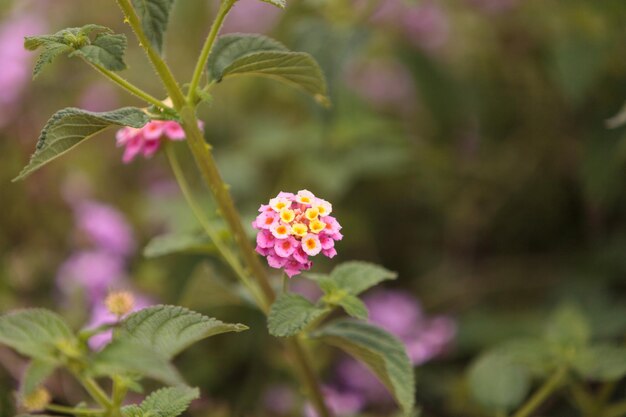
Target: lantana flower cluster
[[294, 227], [147, 140]]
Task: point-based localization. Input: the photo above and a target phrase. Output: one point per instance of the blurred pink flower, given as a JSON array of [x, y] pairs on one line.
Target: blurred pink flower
[[251, 16], [383, 83], [105, 227], [93, 271], [340, 403], [16, 61], [494, 6], [279, 399], [426, 26]]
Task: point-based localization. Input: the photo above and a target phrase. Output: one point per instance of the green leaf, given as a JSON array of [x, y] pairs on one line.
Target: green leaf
[[36, 374], [126, 356], [207, 288], [36, 333], [106, 49], [290, 314], [178, 242], [601, 363], [381, 352], [497, 383], [235, 55], [278, 3], [354, 277], [69, 127], [170, 329], [154, 16], [568, 327], [354, 306], [170, 402], [534, 355]]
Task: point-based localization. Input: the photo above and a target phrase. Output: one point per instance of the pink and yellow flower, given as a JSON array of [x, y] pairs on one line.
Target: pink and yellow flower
[[294, 227]]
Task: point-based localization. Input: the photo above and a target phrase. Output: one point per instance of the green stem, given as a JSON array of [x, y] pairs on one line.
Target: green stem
[[211, 176], [225, 7], [308, 375], [542, 394], [95, 391], [131, 88], [164, 72], [74, 411], [198, 212], [616, 410]]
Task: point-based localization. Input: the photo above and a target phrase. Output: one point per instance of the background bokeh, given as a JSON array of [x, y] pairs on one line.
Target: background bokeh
[[466, 149]]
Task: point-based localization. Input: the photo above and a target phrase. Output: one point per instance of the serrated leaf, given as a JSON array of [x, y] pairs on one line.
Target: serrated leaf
[[278, 3], [381, 352], [35, 333], [106, 50], [127, 356], [170, 402], [154, 16], [230, 48], [256, 55], [354, 306], [290, 314], [178, 242], [568, 327], [69, 127], [354, 277], [170, 329], [132, 410], [601, 363], [497, 383], [36, 374]]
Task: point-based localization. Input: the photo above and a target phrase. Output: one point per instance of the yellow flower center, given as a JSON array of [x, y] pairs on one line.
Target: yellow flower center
[[300, 229]]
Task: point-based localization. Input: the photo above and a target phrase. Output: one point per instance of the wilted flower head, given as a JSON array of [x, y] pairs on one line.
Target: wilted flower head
[[119, 303], [147, 140], [101, 315], [38, 400], [293, 227]]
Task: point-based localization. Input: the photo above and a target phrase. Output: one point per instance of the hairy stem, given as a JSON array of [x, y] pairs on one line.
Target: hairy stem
[[542, 393], [164, 72], [74, 411], [211, 176], [134, 90], [222, 248], [225, 7], [95, 391]]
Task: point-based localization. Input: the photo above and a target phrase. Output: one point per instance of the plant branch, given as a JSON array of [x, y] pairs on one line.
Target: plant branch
[[74, 411], [223, 250], [542, 393], [308, 376], [225, 7], [164, 72], [126, 85]]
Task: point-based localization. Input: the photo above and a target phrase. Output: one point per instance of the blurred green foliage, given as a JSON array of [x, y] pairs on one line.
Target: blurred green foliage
[[493, 186]]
